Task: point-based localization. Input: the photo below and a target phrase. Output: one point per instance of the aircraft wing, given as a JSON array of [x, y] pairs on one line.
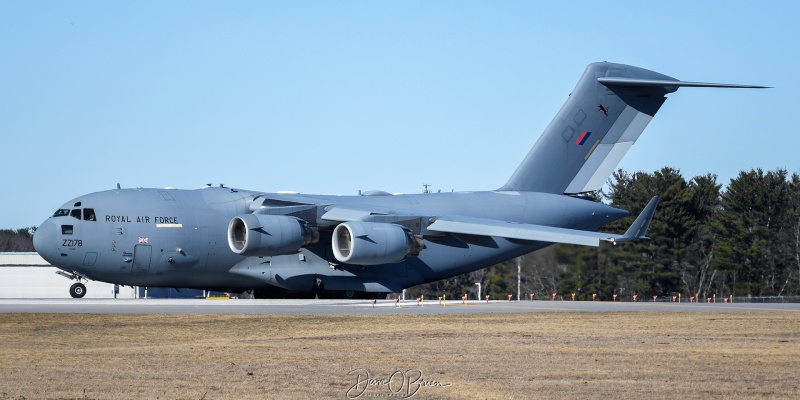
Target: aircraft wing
[[509, 230], [344, 214]]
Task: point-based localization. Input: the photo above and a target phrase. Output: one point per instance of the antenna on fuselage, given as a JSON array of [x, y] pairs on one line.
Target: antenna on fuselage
[[118, 186]]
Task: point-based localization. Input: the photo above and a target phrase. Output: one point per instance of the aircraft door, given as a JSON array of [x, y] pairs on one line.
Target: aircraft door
[[90, 259], [141, 258]]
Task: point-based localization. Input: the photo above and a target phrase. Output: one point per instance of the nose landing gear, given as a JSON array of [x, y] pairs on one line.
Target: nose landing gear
[[77, 290]]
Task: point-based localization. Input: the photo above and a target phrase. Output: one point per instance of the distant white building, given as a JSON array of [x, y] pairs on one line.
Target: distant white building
[[28, 275]]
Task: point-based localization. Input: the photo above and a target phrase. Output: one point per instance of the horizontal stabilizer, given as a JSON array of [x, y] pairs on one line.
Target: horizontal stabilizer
[[620, 81]]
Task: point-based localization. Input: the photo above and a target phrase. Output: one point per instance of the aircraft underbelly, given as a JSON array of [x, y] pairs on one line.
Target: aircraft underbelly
[[445, 260], [206, 280], [300, 272]]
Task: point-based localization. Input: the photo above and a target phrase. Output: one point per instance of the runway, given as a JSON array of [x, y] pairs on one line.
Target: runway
[[233, 306]]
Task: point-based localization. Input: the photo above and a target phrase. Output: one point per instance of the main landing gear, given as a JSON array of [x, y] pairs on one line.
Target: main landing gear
[[77, 290]]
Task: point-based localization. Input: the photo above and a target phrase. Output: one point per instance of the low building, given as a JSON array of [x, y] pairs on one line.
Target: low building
[[28, 275]]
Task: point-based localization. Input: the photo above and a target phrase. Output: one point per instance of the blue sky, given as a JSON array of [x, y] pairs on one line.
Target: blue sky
[[335, 97]]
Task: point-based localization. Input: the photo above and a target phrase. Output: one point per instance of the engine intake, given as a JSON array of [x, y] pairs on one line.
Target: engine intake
[[268, 235], [372, 243]]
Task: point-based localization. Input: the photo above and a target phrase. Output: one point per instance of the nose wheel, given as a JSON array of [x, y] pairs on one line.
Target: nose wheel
[[77, 290]]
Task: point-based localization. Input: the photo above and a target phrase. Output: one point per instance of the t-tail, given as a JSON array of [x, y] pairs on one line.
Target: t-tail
[[601, 120]]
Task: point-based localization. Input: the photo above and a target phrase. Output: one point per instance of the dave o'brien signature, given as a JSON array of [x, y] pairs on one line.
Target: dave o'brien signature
[[403, 384]]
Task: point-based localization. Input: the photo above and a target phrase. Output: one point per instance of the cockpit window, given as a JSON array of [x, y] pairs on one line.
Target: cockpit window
[[61, 212], [76, 213], [88, 214]]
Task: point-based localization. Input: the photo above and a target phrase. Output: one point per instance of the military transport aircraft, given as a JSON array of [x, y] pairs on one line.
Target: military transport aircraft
[[288, 244]]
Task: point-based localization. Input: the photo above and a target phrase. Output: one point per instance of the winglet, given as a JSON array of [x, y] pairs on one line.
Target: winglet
[[638, 229]]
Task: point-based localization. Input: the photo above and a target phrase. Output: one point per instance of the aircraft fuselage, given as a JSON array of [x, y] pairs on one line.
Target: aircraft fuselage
[[179, 238]]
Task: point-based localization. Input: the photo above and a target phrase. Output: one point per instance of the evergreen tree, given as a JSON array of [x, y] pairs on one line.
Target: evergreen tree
[[651, 267], [794, 234], [756, 227], [694, 268]]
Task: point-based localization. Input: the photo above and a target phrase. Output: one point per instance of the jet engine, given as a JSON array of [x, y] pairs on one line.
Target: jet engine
[[371, 243], [268, 235]]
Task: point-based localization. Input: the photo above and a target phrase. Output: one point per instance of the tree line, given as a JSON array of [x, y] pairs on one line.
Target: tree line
[[741, 241], [17, 240]]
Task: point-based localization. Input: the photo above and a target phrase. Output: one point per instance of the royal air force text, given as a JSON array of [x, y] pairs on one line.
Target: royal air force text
[[146, 219]]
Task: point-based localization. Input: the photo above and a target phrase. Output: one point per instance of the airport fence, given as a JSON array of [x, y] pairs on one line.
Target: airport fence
[[767, 299], [629, 298]]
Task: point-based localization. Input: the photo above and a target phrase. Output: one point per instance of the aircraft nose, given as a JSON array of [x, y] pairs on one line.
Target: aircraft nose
[[44, 240]]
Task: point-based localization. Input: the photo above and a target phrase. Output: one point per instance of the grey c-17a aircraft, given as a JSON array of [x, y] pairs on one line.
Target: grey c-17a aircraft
[[288, 244]]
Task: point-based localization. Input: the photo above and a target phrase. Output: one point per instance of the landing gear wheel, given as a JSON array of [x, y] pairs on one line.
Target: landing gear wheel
[[319, 289], [77, 290]]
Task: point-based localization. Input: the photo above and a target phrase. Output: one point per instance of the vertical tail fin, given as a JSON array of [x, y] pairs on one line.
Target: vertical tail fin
[[603, 117]]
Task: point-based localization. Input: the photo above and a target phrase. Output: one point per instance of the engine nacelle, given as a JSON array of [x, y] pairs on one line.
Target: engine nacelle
[[372, 243], [268, 235]]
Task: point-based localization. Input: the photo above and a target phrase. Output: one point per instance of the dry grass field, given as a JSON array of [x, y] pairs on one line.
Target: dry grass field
[[553, 355]]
